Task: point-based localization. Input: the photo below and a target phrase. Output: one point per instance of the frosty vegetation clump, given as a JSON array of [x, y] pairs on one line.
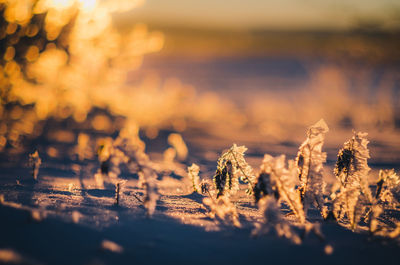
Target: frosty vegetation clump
[[310, 159], [231, 167], [277, 181], [34, 163], [352, 172]]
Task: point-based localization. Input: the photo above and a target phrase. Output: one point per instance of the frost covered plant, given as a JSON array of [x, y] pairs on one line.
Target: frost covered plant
[[386, 188], [273, 220], [193, 173], [34, 163], [223, 210], [375, 226], [352, 172], [275, 180], [387, 185], [310, 159], [232, 166]]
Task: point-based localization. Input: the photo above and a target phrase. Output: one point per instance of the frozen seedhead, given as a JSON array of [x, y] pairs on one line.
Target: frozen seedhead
[[232, 166]]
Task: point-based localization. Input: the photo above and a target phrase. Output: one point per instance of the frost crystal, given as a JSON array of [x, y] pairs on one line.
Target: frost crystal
[[232, 166], [352, 172], [34, 163], [310, 159], [193, 173], [276, 180], [273, 220]]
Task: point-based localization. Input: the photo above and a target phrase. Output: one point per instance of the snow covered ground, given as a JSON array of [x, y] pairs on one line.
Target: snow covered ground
[[64, 218]]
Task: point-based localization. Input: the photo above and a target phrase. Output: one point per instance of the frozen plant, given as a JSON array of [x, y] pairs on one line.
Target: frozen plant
[[352, 172], [273, 220], [277, 181], [310, 159], [193, 173], [232, 166], [223, 210], [34, 163], [386, 187]]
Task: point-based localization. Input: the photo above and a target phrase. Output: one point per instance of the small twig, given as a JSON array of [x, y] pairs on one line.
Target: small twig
[[136, 197]]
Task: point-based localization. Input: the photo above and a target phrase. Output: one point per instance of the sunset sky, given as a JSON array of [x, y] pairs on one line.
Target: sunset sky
[[273, 14]]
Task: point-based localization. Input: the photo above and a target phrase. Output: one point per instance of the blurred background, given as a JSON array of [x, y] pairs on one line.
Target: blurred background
[[291, 61], [242, 71]]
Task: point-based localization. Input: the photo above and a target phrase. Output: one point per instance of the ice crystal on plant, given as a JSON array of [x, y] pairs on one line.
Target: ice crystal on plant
[[352, 172], [310, 159], [232, 166], [273, 220], [278, 181], [193, 173], [34, 162], [223, 210]]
